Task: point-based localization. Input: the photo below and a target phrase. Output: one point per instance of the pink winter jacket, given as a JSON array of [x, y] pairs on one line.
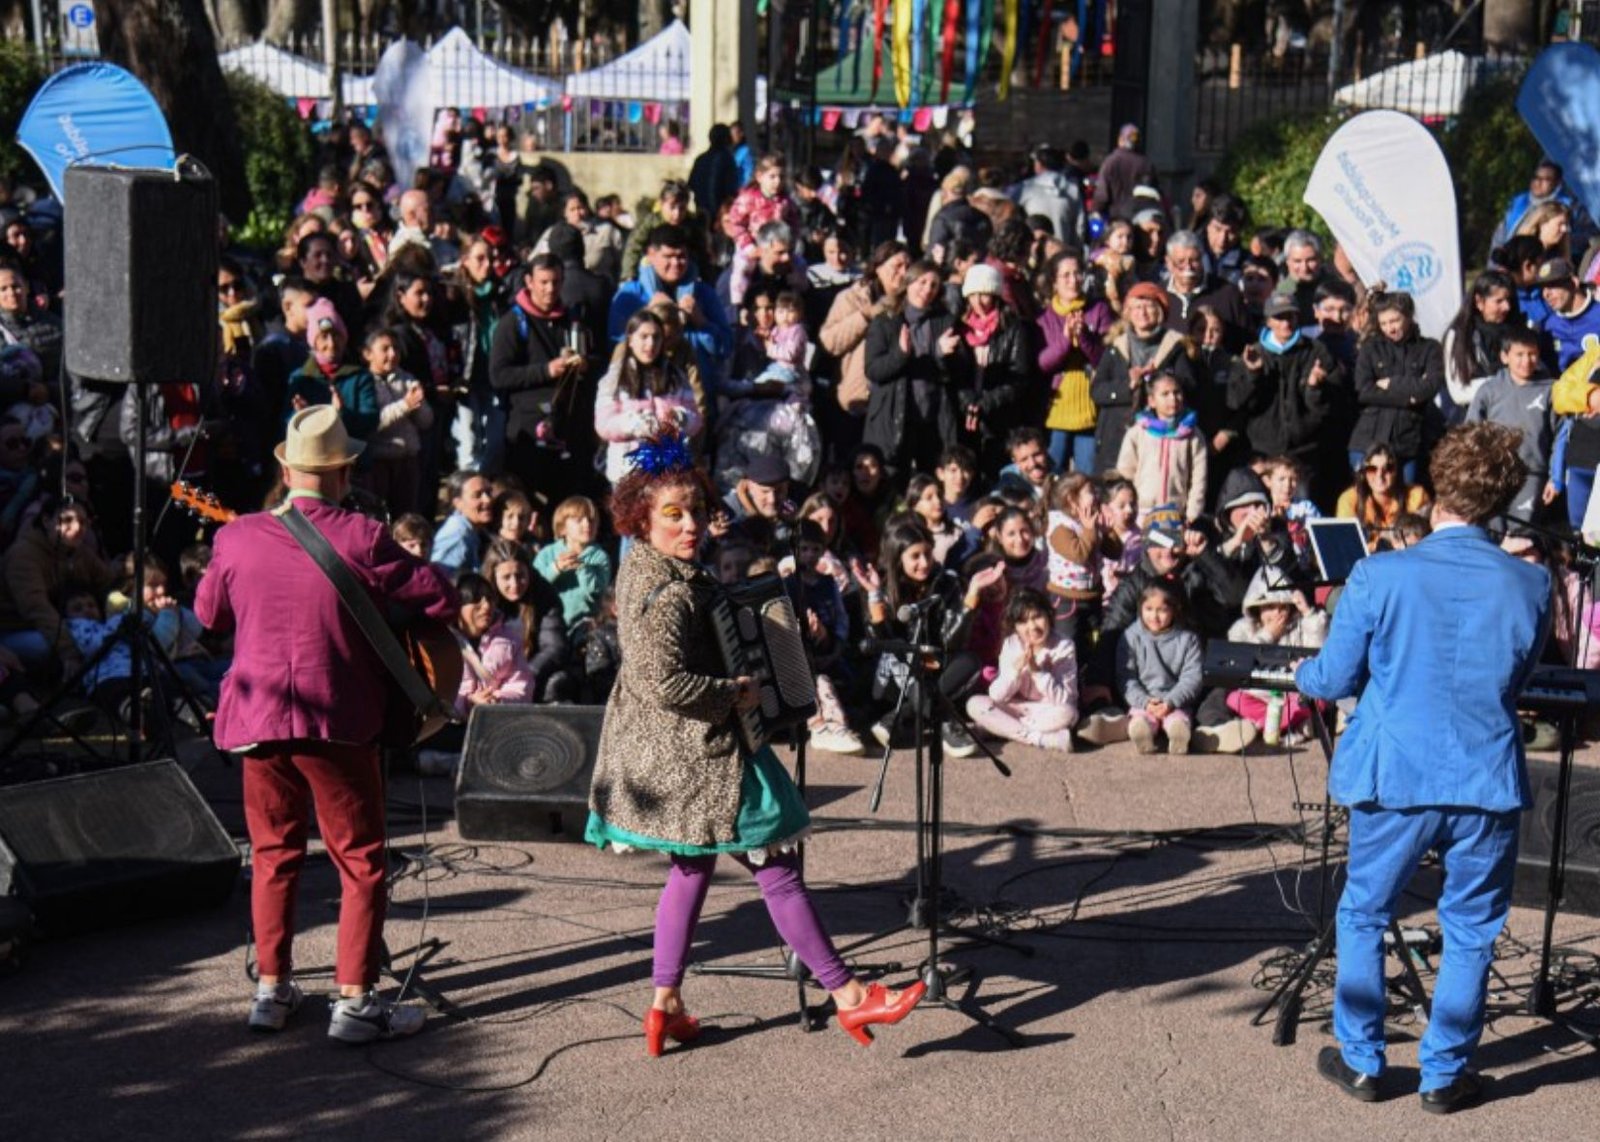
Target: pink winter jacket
[[751, 210], [622, 421], [498, 664]]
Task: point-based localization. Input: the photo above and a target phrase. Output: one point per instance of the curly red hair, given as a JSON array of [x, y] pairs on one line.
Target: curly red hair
[[635, 494]]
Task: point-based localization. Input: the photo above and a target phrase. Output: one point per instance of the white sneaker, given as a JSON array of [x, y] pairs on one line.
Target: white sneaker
[[1232, 736], [883, 732], [1142, 734], [1178, 734], [1104, 729], [367, 1018], [834, 738], [273, 1005]]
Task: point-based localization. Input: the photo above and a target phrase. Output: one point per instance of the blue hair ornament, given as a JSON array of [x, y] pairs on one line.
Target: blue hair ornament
[[660, 455]]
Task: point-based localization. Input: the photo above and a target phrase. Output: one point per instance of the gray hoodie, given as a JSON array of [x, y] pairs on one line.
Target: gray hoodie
[[1164, 666], [1523, 407]]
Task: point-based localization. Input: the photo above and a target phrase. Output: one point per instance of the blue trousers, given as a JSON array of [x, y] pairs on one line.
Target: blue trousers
[[1479, 851], [1075, 446], [1580, 486]]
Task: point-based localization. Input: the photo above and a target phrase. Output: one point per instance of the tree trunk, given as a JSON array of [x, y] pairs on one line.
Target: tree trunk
[[235, 22], [287, 18], [168, 44]]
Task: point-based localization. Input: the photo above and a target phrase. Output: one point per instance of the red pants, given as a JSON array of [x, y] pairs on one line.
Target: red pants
[[346, 783]]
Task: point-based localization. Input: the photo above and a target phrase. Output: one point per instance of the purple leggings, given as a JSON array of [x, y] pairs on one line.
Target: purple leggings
[[788, 903]]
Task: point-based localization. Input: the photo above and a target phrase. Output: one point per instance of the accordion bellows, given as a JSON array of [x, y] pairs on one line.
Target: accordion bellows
[[759, 635]]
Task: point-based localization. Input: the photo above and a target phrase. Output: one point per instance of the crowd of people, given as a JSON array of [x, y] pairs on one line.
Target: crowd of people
[[1084, 424]]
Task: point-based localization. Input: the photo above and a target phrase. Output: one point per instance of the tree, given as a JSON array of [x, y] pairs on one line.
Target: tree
[[168, 44]]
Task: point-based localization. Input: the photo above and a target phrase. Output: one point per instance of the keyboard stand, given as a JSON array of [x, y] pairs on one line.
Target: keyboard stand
[[1289, 996]]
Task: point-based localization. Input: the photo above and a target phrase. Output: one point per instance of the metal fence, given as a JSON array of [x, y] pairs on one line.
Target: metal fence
[[1236, 88], [568, 96]]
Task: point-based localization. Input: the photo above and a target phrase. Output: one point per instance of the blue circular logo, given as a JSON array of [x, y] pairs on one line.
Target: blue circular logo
[[1412, 267], [80, 16]]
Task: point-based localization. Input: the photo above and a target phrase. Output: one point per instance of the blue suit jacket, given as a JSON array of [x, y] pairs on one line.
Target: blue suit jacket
[[1438, 641]]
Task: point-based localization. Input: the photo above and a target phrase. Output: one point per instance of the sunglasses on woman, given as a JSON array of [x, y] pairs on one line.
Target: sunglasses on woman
[[1377, 468]]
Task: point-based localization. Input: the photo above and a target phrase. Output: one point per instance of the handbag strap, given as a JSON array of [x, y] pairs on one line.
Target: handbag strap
[[361, 608]]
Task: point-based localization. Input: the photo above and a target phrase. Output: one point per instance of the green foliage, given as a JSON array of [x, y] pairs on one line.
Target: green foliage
[[1270, 164], [278, 159], [21, 73], [1491, 153]]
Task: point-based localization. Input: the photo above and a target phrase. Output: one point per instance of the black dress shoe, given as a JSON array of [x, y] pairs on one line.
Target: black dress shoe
[[1465, 1090], [1331, 1066]]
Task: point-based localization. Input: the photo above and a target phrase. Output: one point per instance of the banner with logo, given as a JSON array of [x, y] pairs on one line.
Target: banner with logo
[[1383, 187], [1560, 102], [94, 113]]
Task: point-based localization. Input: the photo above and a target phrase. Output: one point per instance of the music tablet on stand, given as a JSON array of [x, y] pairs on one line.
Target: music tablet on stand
[[1338, 545]]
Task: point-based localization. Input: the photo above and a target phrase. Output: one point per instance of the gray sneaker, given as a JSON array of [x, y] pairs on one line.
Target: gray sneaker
[[273, 1005], [368, 1018], [957, 742]]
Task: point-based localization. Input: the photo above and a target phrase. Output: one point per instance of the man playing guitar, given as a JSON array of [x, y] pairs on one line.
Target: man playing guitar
[[304, 703]]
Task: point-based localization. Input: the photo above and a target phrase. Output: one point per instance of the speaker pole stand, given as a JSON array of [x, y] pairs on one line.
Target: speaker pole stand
[[141, 396]]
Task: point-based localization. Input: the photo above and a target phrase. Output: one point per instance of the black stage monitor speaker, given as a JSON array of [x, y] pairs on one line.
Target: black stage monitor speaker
[[525, 772], [141, 274], [1583, 840], [113, 846]]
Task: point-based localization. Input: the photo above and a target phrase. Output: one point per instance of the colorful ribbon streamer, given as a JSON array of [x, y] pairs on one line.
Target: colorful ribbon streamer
[[879, 11], [975, 47], [947, 46], [919, 17], [1046, 41], [1008, 48], [902, 51]]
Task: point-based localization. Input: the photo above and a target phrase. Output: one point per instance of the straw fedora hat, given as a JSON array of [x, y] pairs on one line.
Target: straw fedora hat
[[317, 441]]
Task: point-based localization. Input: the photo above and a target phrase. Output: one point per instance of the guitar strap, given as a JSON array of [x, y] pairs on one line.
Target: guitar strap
[[364, 611]]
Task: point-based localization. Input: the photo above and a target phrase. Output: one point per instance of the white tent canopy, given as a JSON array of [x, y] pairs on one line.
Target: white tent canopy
[[460, 75], [1432, 87], [286, 73], [657, 70]]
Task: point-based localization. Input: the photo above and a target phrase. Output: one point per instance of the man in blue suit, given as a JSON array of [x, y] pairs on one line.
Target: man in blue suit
[[1438, 641]]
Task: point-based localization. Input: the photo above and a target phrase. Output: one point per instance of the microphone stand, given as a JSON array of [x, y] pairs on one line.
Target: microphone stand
[[1541, 999], [924, 911]]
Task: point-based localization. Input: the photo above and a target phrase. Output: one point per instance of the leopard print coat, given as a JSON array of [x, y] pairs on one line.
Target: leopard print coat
[[669, 764]]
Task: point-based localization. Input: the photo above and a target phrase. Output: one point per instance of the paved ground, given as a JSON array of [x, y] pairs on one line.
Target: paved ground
[[1143, 894]]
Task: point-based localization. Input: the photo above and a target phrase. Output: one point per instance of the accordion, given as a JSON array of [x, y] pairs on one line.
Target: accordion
[[759, 636]]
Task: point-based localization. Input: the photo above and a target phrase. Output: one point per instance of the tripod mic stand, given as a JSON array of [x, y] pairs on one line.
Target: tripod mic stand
[[930, 704], [1289, 995]]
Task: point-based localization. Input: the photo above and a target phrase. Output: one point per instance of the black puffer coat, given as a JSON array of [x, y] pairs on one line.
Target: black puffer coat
[[1395, 415]]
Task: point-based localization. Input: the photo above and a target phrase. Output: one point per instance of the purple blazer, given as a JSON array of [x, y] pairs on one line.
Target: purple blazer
[[302, 669]]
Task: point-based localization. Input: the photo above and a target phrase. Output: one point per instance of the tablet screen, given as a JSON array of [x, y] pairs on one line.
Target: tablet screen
[[1339, 546]]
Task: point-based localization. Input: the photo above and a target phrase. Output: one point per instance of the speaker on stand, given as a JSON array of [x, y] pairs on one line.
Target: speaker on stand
[[525, 772], [141, 310]]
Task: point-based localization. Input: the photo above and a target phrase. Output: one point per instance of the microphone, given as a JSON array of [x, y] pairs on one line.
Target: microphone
[[896, 646], [911, 612]]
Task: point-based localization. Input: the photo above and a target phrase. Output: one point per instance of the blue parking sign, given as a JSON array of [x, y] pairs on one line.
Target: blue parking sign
[[80, 16]]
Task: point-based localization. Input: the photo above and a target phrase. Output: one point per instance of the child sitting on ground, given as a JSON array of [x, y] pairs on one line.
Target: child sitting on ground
[[1277, 617], [1159, 671], [1122, 541], [825, 629], [1034, 697], [574, 563]]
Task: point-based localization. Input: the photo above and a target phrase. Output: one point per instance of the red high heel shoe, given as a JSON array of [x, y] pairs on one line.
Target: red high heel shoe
[[659, 1026], [876, 1008]]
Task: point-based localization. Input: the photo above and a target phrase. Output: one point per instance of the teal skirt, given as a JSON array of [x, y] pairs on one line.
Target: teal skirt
[[771, 812]]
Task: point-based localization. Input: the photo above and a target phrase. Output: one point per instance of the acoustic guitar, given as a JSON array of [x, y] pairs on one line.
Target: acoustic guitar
[[431, 649]]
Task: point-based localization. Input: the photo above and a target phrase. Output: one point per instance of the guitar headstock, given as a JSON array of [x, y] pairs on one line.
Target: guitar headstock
[[203, 504]]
